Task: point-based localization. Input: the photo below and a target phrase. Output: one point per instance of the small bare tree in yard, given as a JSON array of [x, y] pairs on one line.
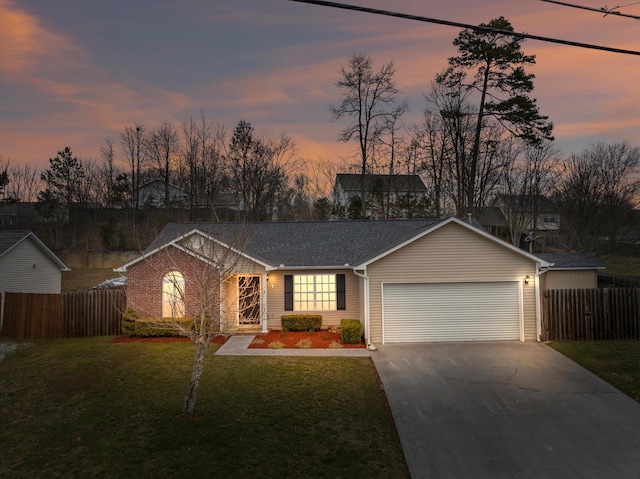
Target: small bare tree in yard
[[199, 286]]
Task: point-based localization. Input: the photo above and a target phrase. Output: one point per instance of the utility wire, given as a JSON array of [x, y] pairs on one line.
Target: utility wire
[[467, 26], [606, 10]]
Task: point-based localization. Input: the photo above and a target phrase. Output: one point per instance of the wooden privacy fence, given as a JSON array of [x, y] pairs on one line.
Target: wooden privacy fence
[[80, 314], [92, 313], [571, 314], [30, 316]]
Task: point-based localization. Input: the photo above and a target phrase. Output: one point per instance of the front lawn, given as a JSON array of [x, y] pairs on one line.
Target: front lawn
[[93, 408], [617, 362]]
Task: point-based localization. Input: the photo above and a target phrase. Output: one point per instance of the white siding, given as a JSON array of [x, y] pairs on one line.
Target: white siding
[[451, 312], [581, 279], [27, 269], [452, 253]]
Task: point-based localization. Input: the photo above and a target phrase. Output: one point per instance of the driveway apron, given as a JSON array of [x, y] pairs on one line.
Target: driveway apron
[[506, 410]]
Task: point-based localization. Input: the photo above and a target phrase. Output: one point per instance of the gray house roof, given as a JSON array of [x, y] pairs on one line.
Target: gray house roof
[[297, 244], [571, 261], [9, 239], [314, 245]]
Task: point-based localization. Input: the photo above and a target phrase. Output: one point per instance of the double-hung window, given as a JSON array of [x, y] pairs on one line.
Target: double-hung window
[[314, 292]]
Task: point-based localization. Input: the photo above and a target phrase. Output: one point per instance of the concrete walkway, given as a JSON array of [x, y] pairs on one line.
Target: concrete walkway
[[239, 346]]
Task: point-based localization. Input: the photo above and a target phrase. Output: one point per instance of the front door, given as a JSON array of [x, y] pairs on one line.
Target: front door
[[248, 300]]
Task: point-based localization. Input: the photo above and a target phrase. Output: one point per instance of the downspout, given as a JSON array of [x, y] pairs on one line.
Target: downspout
[[538, 301], [367, 332]]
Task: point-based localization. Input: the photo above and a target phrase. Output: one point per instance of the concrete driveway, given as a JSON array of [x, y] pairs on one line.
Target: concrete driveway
[[506, 410]]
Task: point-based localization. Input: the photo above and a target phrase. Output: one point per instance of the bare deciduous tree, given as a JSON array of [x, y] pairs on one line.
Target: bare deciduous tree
[[202, 278], [258, 169], [203, 152], [25, 182], [162, 146], [132, 140], [597, 193], [369, 98], [113, 184], [525, 182], [447, 137]]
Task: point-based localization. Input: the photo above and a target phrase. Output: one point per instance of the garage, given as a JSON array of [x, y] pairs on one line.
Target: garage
[[478, 311]]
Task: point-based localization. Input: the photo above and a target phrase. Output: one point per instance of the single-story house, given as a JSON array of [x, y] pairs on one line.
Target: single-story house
[[406, 280], [27, 265], [570, 271]]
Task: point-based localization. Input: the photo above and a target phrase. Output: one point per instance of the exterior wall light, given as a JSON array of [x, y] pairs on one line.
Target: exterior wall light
[[526, 279]]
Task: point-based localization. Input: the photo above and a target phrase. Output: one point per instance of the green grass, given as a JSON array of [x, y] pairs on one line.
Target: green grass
[[83, 279], [623, 265], [617, 362], [91, 408]]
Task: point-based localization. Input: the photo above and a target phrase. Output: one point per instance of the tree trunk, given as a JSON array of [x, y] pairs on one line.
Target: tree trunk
[[196, 371]]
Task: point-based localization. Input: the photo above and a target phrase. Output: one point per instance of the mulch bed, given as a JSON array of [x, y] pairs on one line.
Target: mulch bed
[[290, 339], [138, 339]]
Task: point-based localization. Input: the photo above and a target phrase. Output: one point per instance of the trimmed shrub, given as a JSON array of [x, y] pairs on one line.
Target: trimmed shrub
[[304, 344], [301, 322], [153, 327], [350, 331], [128, 323]]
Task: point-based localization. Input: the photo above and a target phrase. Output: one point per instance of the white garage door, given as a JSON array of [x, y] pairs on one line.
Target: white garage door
[[451, 312]]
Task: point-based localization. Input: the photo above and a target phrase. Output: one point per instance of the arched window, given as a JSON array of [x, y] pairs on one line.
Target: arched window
[[173, 295]]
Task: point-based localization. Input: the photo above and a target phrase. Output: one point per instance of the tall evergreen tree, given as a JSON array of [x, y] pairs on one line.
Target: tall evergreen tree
[[497, 65]]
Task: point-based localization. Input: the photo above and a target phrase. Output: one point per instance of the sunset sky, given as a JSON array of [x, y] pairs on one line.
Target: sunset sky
[[75, 72]]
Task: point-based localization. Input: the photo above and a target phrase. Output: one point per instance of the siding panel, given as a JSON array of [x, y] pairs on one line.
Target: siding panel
[[27, 269], [452, 254], [424, 312]]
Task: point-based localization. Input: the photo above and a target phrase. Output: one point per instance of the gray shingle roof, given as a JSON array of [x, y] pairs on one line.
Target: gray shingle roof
[[315, 244], [9, 238], [571, 260]]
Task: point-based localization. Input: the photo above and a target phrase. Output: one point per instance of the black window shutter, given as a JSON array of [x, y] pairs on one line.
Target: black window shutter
[[341, 291], [288, 292]]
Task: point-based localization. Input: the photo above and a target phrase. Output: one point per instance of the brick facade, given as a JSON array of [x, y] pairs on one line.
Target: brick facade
[[144, 283]]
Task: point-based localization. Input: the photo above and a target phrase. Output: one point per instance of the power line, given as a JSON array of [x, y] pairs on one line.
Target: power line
[[606, 10], [467, 26]]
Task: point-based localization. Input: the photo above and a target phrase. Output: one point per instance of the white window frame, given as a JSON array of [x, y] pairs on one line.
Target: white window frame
[[173, 289], [315, 292]]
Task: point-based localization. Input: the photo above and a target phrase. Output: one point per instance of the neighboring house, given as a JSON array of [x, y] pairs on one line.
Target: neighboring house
[[406, 280], [529, 212], [27, 265], [152, 194], [392, 192], [570, 271]]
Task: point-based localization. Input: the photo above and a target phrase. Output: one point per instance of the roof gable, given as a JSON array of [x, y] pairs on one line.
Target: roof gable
[[471, 228], [12, 238]]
